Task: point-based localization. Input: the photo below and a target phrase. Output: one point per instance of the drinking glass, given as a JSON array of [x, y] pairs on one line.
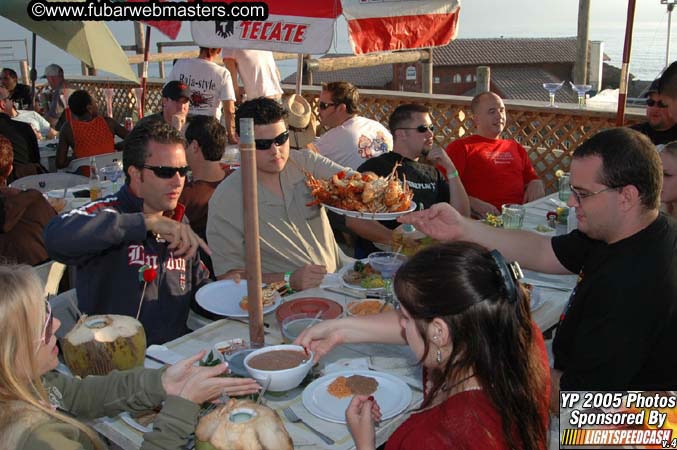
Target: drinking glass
[[387, 263], [580, 89], [564, 188], [513, 216], [552, 88]]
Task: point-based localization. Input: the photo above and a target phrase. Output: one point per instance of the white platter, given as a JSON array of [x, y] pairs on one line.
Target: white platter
[[393, 396], [368, 215], [343, 270], [223, 298]]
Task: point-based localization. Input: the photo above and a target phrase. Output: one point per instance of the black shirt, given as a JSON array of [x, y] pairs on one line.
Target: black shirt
[[657, 137], [22, 96], [23, 140], [619, 331]]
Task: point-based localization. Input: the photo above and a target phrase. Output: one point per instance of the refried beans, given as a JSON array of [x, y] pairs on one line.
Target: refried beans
[[277, 360]]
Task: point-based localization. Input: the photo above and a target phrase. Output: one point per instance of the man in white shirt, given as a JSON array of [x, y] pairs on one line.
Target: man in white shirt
[[211, 87], [40, 125], [351, 139], [258, 72]]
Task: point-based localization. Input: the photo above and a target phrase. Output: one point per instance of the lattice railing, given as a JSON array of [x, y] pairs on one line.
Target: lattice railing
[[550, 135]]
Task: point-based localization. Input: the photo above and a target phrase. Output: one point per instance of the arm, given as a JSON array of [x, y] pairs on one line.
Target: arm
[[231, 65], [457, 195], [370, 230], [65, 141], [480, 208], [534, 190], [116, 128], [229, 119]]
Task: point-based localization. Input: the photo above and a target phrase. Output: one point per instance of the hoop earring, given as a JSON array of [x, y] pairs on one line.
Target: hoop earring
[[438, 357]]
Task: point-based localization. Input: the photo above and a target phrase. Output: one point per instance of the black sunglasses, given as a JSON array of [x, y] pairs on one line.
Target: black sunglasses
[[265, 144], [420, 128], [658, 104], [168, 172], [324, 105]]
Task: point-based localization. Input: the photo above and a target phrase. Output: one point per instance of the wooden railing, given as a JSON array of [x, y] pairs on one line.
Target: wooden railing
[[550, 135]]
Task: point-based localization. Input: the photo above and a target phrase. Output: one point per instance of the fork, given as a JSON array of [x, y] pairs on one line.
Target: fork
[[292, 417]]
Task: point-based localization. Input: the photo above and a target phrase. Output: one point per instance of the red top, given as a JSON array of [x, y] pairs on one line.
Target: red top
[[467, 420], [496, 171], [91, 138]]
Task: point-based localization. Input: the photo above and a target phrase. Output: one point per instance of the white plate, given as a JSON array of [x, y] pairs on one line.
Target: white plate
[[393, 396], [223, 298], [355, 287], [126, 418], [368, 215]]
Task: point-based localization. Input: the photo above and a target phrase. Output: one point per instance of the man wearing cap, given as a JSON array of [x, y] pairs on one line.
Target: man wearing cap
[[19, 93], [175, 105], [660, 127], [300, 122], [56, 101], [351, 139]]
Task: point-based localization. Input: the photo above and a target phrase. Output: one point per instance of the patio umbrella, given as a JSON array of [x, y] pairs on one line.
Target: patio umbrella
[[90, 42]]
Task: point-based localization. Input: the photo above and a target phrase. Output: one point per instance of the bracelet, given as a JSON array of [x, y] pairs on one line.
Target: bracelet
[[454, 174]]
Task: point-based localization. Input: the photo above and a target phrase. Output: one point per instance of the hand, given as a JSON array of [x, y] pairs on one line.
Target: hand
[[178, 121], [200, 384], [481, 208], [182, 239], [321, 338], [534, 190], [232, 136], [441, 221], [308, 276], [361, 415], [438, 156]]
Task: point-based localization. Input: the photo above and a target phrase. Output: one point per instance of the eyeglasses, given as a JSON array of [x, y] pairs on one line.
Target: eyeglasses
[[265, 144], [168, 172], [657, 104], [324, 105], [46, 335], [420, 128], [580, 196]]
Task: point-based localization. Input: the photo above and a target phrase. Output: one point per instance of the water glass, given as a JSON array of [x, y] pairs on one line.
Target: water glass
[[513, 216], [564, 188]]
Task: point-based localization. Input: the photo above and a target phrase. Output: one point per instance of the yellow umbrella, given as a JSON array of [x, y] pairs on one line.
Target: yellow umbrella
[[90, 42]]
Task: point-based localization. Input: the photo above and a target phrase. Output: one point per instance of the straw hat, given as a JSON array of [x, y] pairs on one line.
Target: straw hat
[[301, 127]]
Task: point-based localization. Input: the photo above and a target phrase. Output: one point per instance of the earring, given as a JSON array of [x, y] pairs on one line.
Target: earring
[[438, 357]]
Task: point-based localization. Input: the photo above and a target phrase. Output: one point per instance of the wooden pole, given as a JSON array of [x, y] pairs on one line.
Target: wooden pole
[[307, 74], [23, 66], [144, 76], [427, 74], [299, 73], [251, 232], [349, 62], [581, 66], [625, 67], [483, 83], [139, 42]]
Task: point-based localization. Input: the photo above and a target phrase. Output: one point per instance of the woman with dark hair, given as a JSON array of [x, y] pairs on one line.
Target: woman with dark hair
[[486, 374]]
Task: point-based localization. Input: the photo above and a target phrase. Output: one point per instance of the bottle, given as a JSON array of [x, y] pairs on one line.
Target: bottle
[[94, 181]]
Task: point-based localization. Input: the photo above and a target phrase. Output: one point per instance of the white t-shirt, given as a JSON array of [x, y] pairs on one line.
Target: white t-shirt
[[33, 119], [257, 71], [209, 83], [354, 141]]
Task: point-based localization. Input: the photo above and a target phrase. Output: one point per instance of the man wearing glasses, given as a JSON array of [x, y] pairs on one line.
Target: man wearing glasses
[[297, 243], [112, 241], [660, 127], [494, 171], [351, 139], [619, 326], [413, 132]]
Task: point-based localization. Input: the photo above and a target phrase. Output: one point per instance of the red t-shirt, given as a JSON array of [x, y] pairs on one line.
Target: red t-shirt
[[496, 171]]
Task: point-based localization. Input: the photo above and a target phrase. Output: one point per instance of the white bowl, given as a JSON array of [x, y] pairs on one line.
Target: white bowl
[[280, 380]]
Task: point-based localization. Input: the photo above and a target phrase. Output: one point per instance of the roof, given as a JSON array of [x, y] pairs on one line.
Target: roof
[[473, 52], [362, 77], [526, 83]]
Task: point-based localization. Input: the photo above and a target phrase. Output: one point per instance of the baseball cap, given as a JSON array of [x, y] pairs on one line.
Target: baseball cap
[[52, 70], [653, 89], [175, 90]]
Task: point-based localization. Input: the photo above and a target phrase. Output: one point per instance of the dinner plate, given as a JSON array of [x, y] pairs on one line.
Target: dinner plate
[[393, 396], [355, 287], [368, 215], [223, 298]]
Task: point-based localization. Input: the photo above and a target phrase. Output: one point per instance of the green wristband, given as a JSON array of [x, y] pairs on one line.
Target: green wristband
[[454, 174]]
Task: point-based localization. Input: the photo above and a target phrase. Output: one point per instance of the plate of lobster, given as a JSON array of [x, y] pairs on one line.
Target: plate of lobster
[[363, 195]]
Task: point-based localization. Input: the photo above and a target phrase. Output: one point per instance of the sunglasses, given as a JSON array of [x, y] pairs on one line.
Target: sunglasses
[[168, 172], [46, 335], [658, 104], [420, 128], [324, 105], [265, 144]]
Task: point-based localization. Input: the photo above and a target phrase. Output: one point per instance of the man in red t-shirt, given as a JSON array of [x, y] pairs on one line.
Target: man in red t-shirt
[[493, 171]]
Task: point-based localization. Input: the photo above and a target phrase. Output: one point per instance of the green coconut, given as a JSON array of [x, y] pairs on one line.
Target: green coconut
[[99, 344]]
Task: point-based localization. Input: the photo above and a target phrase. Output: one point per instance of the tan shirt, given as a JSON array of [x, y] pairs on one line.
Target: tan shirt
[[291, 233]]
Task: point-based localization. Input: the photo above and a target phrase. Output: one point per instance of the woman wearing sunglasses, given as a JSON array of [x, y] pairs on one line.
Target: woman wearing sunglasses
[[40, 408], [486, 375]]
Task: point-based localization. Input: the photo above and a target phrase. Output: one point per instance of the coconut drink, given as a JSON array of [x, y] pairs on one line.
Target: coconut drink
[[242, 425], [99, 344]]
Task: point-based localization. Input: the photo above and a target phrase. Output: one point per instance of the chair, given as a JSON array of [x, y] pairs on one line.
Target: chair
[[51, 273], [64, 308], [49, 181], [102, 160]]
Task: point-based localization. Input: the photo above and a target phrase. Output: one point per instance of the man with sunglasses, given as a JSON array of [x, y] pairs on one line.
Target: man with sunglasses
[[660, 127], [494, 171], [413, 132], [113, 241], [619, 325], [297, 243], [350, 139]]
